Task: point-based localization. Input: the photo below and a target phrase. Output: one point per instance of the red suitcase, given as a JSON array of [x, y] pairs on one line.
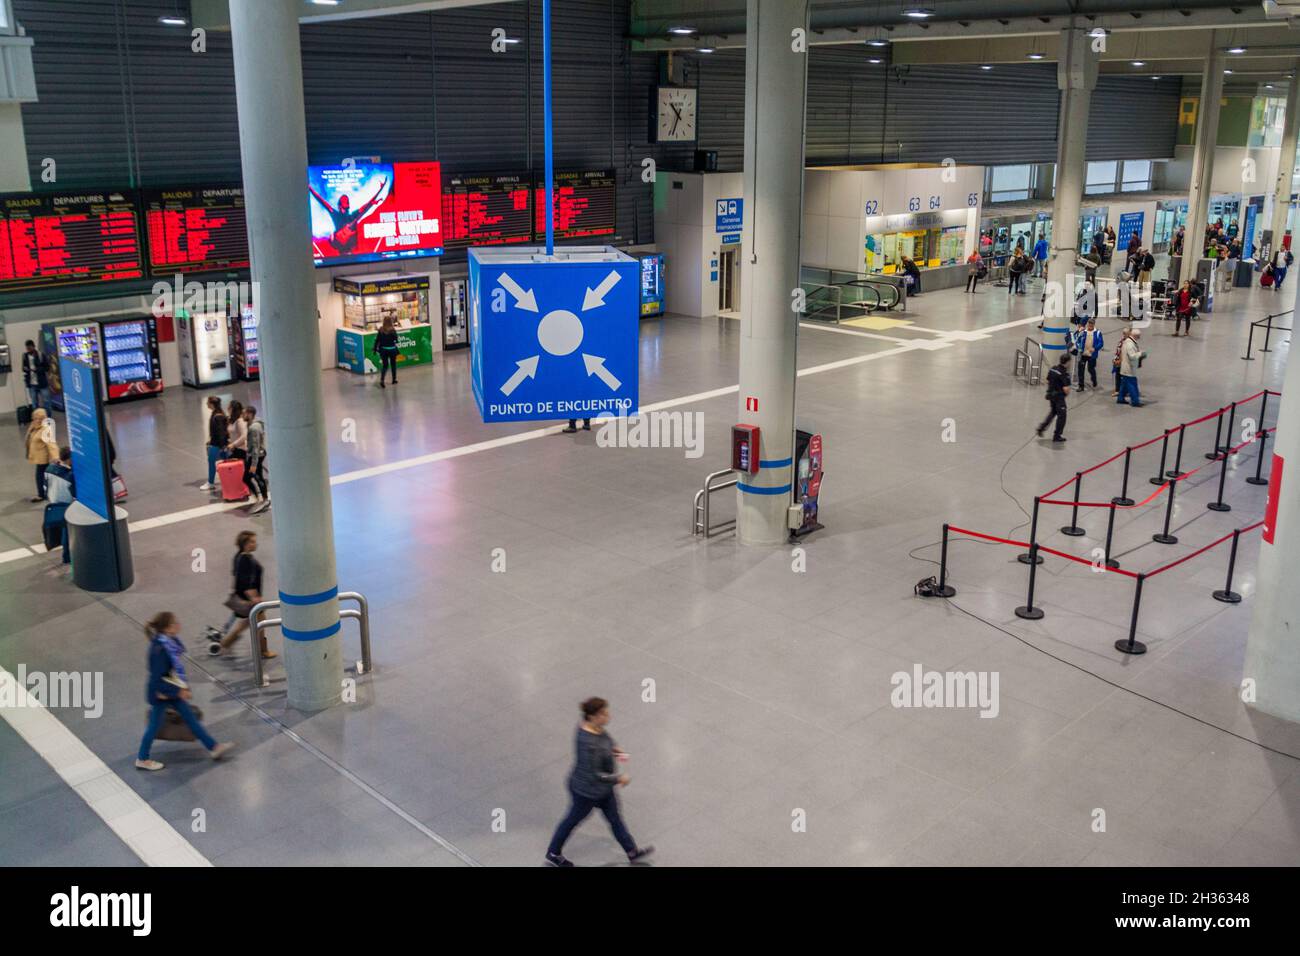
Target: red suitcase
[[231, 475]]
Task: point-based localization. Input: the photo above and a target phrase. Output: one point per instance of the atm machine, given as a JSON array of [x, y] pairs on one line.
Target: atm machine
[[455, 314]]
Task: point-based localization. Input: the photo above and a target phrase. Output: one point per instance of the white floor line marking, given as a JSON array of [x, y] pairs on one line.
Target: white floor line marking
[[125, 812], [818, 327], [915, 345]]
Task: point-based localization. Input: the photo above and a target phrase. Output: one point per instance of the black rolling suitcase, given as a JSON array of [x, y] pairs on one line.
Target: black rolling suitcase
[[24, 414]]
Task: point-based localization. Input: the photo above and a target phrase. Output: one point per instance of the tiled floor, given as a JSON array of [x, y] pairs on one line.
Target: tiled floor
[[750, 696]]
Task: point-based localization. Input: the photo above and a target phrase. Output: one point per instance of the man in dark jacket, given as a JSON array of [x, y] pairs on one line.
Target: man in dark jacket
[[36, 369], [1058, 386]]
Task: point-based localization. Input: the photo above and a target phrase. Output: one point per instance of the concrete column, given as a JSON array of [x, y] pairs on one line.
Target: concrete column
[[1076, 76], [14, 177], [1273, 645], [1207, 133], [776, 70], [1286, 160], [273, 139]]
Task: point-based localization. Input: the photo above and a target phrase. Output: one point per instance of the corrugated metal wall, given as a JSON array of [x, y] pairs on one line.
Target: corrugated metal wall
[[124, 100]]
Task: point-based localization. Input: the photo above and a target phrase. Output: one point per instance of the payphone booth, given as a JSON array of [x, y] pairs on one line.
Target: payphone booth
[[807, 483]]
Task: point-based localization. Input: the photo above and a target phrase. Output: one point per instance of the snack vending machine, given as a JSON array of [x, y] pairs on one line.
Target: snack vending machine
[[204, 346], [124, 349], [455, 314], [244, 352]]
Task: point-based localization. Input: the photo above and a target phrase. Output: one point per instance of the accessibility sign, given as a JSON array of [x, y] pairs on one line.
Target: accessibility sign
[[554, 337], [730, 215]]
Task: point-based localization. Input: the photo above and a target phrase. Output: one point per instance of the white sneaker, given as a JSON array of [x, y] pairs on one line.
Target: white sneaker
[[149, 765], [220, 750], [206, 486]]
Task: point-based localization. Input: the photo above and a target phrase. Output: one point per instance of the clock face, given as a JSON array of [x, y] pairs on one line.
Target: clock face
[[676, 114]]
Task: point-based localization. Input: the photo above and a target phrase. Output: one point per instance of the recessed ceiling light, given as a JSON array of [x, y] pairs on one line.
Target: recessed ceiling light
[[877, 42], [1227, 73], [1235, 50], [986, 66], [1155, 77], [705, 49], [682, 31], [172, 20], [1268, 86], [1034, 56], [1138, 63], [919, 13], [326, 3], [875, 60]]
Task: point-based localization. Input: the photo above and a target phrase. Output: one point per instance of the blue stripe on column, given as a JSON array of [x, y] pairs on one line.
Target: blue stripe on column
[[1057, 347], [1055, 328], [755, 490], [775, 462], [320, 635], [300, 600]]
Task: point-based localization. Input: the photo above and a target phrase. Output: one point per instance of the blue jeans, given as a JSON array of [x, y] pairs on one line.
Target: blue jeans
[[155, 724], [578, 811], [214, 455], [38, 397], [1128, 385], [1278, 276]]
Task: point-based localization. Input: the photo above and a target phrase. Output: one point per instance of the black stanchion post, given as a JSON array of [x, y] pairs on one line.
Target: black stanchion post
[[1177, 471], [1226, 447], [1263, 409], [1123, 498], [1133, 645], [1268, 330], [1218, 434], [1032, 554], [1159, 478], [1220, 504], [1073, 529], [1228, 595], [944, 590], [1250, 340], [1110, 533], [1262, 437], [1165, 537], [1029, 612]]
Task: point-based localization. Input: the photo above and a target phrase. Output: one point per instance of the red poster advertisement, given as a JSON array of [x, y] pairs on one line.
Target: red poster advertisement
[[1274, 496]]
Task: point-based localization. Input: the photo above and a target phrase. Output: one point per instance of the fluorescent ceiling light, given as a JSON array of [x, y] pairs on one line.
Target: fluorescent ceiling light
[[682, 31], [919, 13], [877, 42], [172, 20], [875, 60], [1227, 73], [1235, 50], [326, 3], [1137, 63], [986, 66], [1034, 56], [705, 49]]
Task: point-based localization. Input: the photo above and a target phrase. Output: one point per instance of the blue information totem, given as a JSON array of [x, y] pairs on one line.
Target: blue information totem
[[554, 337]]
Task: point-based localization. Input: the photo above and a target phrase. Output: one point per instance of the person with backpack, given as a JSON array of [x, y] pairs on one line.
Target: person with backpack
[[1282, 260], [592, 782], [1058, 386], [976, 270], [1020, 264], [386, 349], [254, 477], [36, 376], [1088, 343], [1130, 357], [218, 439], [168, 689]]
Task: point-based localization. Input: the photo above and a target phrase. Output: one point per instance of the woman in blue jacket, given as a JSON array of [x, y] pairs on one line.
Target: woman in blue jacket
[[168, 688]]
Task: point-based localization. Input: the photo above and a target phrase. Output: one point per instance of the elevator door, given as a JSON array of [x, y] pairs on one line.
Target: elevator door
[[729, 282]]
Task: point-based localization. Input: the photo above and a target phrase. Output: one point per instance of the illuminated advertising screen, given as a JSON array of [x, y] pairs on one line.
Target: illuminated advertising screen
[[375, 212], [195, 229], [584, 205], [68, 239], [487, 210]]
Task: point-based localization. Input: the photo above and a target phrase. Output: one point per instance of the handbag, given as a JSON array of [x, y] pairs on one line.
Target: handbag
[[240, 606], [174, 727]]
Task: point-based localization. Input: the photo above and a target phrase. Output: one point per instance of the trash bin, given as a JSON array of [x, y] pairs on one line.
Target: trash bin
[[1245, 274]]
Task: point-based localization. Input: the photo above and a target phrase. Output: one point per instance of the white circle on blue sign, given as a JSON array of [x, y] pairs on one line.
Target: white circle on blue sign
[[76, 380], [560, 332]]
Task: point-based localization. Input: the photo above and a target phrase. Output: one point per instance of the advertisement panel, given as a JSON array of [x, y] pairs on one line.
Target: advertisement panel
[[375, 212]]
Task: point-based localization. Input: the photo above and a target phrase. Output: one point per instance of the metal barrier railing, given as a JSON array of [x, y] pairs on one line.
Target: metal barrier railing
[[1025, 365], [361, 613], [700, 522]]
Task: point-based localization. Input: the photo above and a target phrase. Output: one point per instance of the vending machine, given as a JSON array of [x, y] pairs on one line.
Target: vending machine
[[244, 352], [203, 341], [455, 314], [652, 284], [123, 348]]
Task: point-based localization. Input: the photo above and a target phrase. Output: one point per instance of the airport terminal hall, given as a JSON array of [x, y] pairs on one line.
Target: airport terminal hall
[[666, 435]]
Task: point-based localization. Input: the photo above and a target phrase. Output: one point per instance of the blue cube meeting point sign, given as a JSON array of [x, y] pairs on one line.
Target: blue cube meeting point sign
[[554, 337]]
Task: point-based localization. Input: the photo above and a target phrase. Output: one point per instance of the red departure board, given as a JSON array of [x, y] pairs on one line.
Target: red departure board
[[584, 205], [486, 210], [195, 229], [68, 239]]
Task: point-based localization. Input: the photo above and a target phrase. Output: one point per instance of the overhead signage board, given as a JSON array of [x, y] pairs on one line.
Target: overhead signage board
[[584, 201], [487, 210], [195, 229], [1130, 225], [63, 239], [729, 215], [553, 339]]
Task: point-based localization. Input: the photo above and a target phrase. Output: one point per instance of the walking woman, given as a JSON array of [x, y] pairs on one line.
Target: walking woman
[[168, 689], [238, 444], [244, 594], [592, 783], [218, 438], [41, 450], [386, 349], [254, 477]]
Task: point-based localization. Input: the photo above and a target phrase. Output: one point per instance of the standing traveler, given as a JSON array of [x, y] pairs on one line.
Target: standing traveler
[[1176, 246], [168, 689], [60, 491], [572, 427], [1130, 359], [1058, 386], [245, 592], [254, 477], [218, 439], [41, 450], [238, 444], [1185, 303], [592, 783], [1281, 262], [976, 270], [1020, 264], [913, 276], [1040, 257], [1110, 244], [1088, 344], [36, 372], [386, 349], [1145, 263]]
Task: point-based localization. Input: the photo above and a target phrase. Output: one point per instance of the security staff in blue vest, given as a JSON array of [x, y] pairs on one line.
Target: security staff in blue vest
[[1087, 344]]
